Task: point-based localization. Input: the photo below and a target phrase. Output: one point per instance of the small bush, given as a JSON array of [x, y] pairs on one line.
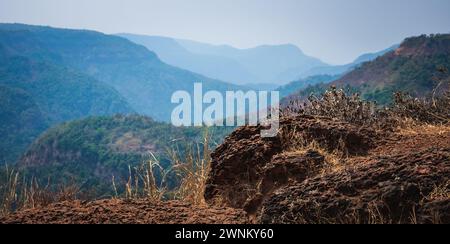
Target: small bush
[[336, 104], [431, 110]]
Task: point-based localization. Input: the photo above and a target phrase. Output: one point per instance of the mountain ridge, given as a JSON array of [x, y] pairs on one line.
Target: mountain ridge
[[261, 64], [345, 68], [417, 67], [412, 68], [174, 54], [132, 70]]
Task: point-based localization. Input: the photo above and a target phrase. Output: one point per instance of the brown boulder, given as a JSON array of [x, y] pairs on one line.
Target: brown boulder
[[386, 190], [247, 167]]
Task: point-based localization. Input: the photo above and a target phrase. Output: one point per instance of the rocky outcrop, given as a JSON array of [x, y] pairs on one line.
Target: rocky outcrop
[[247, 168], [391, 190], [282, 170], [379, 177]]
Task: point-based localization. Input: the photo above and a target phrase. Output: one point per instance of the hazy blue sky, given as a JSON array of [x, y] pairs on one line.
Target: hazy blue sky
[[334, 30]]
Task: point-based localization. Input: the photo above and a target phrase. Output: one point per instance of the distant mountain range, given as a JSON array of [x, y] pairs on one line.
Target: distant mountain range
[[267, 65], [263, 64], [66, 74], [171, 52], [415, 67], [136, 73]]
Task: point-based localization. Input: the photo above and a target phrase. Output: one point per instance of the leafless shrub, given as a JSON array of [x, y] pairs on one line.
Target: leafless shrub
[[336, 104], [432, 110]]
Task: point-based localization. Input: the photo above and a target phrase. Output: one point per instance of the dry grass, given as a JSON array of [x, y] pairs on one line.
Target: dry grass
[[371, 215], [146, 181], [18, 193], [440, 193], [193, 173], [190, 169], [296, 143], [410, 127], [434, 110], [334, 160]]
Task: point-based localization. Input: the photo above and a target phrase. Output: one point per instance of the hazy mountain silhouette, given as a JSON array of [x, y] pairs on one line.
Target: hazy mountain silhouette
[[266, 65], [263, 64], [171, 52], [270, 63]]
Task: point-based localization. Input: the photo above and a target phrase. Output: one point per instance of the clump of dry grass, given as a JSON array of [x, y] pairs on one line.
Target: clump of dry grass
[[337, 104], [146, 181], [17, 193], [9, 191], [412, 127], [193, 173], [295, 142], [434, 109], [190, 169], [333, 159], [372, 214], [440, 192]]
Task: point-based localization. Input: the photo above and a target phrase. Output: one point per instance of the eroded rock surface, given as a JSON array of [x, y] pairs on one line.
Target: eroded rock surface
[[396, 189], [380, 177], [247, 167]]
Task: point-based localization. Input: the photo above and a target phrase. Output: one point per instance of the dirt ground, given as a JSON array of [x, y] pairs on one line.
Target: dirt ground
[[126, 212]]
